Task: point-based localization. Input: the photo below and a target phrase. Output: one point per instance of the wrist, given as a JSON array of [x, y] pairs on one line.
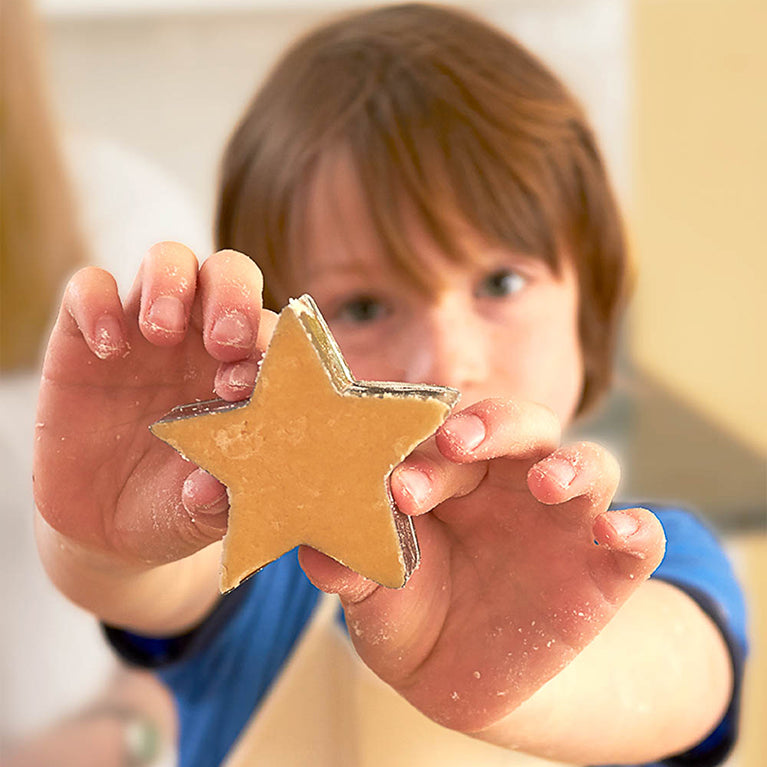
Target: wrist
[[126, 593]]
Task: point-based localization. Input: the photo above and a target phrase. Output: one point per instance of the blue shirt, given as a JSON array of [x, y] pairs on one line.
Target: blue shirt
[[222, 670]]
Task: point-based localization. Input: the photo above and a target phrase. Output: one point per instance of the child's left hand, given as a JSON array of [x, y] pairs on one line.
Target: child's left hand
[[521, 564]]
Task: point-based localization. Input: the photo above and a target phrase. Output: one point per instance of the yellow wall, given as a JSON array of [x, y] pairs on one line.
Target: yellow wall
[[699, 205], [698, 217], [749, 551]]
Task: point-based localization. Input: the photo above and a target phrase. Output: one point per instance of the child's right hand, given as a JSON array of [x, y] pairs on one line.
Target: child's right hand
[[101, 478]]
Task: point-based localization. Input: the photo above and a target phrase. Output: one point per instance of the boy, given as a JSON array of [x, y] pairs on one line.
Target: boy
[[440, 195]]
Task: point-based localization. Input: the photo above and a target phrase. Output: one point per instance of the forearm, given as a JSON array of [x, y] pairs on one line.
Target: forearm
[[653, 683], [154, 600]]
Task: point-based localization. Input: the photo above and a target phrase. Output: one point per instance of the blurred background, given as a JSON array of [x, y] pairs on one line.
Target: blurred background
[[145, 92]]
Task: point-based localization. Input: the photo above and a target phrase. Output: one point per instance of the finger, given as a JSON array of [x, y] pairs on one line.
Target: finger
[[636, 533], [91, 308], [230, 287], [456, 464], [582, 470], [632, 544], [168, 286], [203, 495], [494, 428], [426, 478], [235, 380], [333, 578]]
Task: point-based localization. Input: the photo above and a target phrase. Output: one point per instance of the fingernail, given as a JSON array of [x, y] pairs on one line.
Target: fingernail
[[416, 484], [466, 430], [167, 313], [203, 494], [108, 339], [232, 329], [624, 524], [559, 471], [242, 375]]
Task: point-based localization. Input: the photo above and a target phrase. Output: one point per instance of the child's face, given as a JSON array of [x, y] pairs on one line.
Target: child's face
[[501, 326]]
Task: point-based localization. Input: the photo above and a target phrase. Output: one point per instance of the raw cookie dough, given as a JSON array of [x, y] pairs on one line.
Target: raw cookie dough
[[307, 459]]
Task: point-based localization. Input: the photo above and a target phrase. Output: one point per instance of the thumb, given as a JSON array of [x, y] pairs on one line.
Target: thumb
[[199, 519], [206, 501], [203, 495], [180, 514]]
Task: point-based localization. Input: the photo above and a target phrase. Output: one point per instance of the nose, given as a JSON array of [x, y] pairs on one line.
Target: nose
[[449, 346]]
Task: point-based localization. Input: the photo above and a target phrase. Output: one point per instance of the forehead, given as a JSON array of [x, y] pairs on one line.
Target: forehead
[[344, 230], [339, 229]]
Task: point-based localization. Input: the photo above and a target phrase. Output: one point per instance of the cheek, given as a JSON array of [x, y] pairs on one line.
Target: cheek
[[542, 362], [567, 383], [561, 367]]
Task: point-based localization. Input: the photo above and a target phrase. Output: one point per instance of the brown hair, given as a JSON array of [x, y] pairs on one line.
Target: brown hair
[[434, 103], [40, 241]]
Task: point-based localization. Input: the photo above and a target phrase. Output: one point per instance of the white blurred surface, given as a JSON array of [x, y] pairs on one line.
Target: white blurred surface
[[53, 657], [171, 85]]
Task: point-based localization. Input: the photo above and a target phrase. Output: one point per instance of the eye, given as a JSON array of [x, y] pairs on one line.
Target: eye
[[360, 310], [500, 283]]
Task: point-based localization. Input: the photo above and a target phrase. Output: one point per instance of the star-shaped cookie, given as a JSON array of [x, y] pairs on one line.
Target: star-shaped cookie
[[307, 459]]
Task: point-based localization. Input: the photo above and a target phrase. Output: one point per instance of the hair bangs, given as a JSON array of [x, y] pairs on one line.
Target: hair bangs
[[446, 179]]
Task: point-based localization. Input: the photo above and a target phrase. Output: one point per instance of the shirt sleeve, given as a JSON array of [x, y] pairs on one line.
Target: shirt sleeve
[[696, 563]]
